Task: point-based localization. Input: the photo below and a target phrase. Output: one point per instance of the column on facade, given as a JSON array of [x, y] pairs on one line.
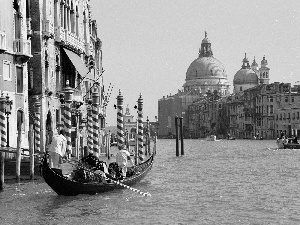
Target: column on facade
[[69, 18], [140, 129], [68, 114], [95, 114], [65, 17], [120, 131], [62, 14]]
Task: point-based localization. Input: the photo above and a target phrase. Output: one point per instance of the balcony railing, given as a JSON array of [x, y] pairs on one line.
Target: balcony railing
[[48, 28], [2, 42], [22, 47], [59, 34]]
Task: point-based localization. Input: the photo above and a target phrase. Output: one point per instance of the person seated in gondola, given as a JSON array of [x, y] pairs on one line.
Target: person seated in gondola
[[295, 140], [122, 159], [90, 169]]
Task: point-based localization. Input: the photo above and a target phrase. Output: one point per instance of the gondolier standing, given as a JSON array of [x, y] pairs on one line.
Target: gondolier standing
[[57, 150], [122, 158]]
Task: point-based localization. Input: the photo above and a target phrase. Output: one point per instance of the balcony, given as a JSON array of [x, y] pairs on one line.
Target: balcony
[[22, 50], [60, 34], [2, 42], [48, 28]]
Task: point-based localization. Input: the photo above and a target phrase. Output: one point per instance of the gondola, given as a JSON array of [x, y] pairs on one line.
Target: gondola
[[62, 185]]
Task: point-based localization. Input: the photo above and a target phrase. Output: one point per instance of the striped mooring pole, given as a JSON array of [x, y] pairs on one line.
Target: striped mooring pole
[[148, 137], [3, 138], [37, 122], [140, 129], [95, 115], [120, 132], [67, 115], [62, 115], [89, 128]]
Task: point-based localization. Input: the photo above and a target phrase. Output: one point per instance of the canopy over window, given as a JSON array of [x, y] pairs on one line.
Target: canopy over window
[[78, 64]]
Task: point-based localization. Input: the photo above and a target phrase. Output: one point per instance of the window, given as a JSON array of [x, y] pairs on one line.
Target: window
[[271, 109], [19, 79], [271, 98], [286, 99], [293, 99], [20, 120], [241, 88], [6, 70]]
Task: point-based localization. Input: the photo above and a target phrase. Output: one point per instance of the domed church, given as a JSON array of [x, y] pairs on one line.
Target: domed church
[[248, 77], [206, 72]]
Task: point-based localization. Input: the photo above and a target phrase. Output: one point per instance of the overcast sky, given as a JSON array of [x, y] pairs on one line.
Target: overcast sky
[[149, 45]]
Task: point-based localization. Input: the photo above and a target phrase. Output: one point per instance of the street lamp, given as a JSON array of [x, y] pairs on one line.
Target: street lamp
[[8, 108]]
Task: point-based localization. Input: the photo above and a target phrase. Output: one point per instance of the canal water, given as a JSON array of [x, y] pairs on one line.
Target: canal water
[[215, 182]]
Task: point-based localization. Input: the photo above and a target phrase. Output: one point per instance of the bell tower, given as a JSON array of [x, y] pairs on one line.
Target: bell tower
[[264, 73]]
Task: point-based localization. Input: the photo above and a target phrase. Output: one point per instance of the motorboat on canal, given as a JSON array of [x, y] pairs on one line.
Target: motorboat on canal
[[287, 144], [63, 185]]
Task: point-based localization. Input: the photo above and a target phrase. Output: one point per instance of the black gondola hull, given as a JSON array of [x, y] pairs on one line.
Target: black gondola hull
[[64, 186]]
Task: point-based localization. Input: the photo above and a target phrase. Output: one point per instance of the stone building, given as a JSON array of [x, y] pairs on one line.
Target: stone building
[[206, 74], [65, 48], [15, 51]]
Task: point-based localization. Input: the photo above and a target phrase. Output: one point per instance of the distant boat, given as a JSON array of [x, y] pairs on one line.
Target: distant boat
[[282, 145], [211, 138]]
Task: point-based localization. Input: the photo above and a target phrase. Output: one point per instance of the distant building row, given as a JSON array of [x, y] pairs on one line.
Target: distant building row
[[256, 108]]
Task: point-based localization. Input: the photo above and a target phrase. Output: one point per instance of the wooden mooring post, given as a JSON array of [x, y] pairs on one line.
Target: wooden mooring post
[[181, 135], [1, 170], [18, 156], [179, 132], [31, 151], [177, 136]]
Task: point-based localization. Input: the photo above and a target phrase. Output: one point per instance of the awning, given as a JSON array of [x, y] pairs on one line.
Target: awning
[[78, 64]]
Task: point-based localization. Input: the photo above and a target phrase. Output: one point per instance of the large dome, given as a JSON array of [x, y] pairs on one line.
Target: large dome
[[206, 73], [206, 67], [245, 76]]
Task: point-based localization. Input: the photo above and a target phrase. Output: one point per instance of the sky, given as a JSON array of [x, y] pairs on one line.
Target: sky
[[149, 45]]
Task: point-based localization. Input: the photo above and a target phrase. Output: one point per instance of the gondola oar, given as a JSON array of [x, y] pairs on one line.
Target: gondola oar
[[116, 182]]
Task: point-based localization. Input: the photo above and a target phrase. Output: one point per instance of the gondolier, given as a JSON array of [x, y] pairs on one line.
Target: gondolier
[[57, 150], [122, 158]]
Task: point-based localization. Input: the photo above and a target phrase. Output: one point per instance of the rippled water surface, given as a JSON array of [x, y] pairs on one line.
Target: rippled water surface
[[221, 182]]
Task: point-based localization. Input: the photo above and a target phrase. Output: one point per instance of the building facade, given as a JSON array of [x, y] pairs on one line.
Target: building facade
[[15, 52], [66, 52]]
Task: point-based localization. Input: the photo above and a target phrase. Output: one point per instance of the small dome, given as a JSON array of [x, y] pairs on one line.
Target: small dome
[[245, 76], [264, 61], [254, 63]]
